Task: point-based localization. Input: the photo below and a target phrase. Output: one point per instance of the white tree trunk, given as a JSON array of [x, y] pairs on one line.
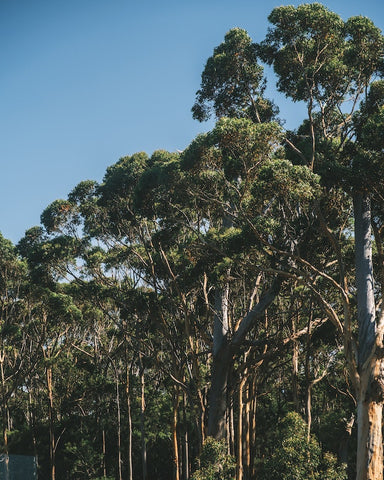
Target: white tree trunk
[[370, 365]]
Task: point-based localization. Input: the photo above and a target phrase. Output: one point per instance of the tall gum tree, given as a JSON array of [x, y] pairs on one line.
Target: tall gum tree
[[324, 61], [234, 154], [232, 85]]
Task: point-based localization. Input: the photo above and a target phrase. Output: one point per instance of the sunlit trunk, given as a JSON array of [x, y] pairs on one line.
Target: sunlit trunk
[[176, 459], [370, 393], [369, 436], [247, 438], [295, 366]]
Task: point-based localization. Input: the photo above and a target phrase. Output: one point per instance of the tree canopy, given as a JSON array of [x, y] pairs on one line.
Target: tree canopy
[[215, 313]]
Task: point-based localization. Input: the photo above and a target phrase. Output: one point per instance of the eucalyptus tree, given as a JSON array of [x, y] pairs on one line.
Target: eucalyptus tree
[[233, 83], [227, 167], [245, 185], [13, 339], [131, 245], [330, 64], [64, 329]]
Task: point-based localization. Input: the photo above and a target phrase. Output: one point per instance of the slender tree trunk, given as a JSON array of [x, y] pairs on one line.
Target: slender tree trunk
[[142, 422], [176, 459], [52, 448], [240, 467], [231, 420], [104, 452], [309, 385], [32, 424], [119, 459], [295, 366], [344, 443], [5, 421], [129, 414], [185, 440], [247, 439], [5, 416], [309, 411], [370, 392], [252, 473]]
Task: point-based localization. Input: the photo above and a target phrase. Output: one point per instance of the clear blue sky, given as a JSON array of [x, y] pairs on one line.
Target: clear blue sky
[[85, 82]]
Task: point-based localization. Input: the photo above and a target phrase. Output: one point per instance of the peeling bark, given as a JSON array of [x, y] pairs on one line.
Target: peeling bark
[[370, 364]]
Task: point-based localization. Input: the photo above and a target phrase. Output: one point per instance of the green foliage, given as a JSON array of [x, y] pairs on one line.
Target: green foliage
[[232, 82], [57, 214], [364, 51], [292, 183], [215, 463], [305, 46], [123, 277], [296, 458]]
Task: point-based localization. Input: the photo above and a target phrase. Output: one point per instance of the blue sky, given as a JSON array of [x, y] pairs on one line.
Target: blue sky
[[85, 82]]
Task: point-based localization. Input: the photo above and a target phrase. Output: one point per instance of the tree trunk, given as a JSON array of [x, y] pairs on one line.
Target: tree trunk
[[240, 467], [176, 459], [344, 443], [5, 417], [32, 426], [231, 421], [218, 394], [370, 365], [309, 411], [247, 440], [222, 361], [295, 366], [119, 459], [223, 350], [51, 422], [252, 468], [185, 440], [142, 421], [104, 453], [369, 431], [129, 414]]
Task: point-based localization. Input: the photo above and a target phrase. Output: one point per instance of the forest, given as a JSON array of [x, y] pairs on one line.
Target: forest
[[216, 313]]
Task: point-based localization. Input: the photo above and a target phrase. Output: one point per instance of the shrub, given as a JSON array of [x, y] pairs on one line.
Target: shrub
[[215, 463]]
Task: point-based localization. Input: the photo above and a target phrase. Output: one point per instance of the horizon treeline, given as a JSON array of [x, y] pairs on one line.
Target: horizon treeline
[[216, 313]]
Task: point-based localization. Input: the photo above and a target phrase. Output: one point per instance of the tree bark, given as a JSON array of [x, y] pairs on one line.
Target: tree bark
[[118, 412], [223, 351], [52, 442], [295, 366], [142, 421], [222, 361], [129, 415], [218, 393], [176, 459], [185, 440], [240, 463], [370, 392], [104, 452]]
